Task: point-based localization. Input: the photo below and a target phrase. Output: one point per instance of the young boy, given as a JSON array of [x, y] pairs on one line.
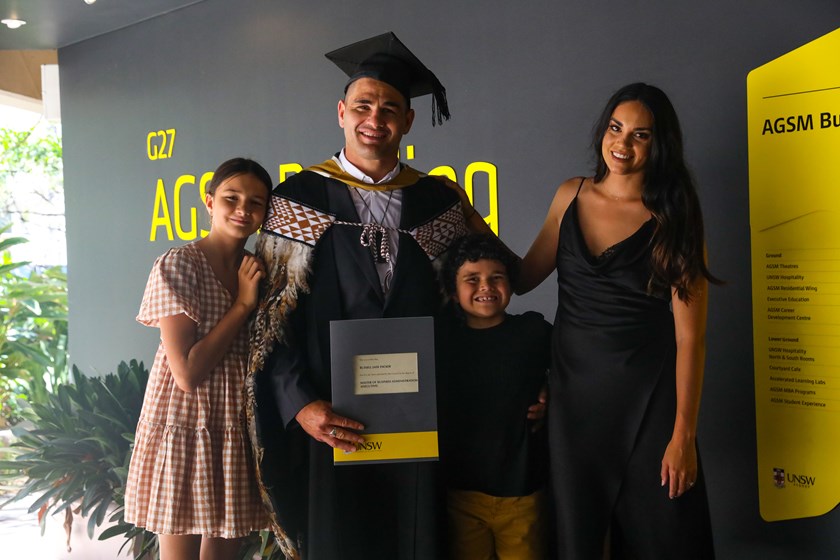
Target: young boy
[[491, 367]]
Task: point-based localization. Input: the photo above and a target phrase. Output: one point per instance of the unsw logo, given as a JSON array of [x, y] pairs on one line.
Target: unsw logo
[[800, 480], [369, 446]]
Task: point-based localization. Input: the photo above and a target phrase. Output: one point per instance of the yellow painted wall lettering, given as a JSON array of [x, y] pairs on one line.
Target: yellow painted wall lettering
[[489, 169], [163, 218], [160, 143], [202, 191], [447, 172], [287, 169], [193, 231], [160, 213], [409, 153]]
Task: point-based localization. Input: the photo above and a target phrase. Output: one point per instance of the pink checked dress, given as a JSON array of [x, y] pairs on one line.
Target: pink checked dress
[[191, 470]]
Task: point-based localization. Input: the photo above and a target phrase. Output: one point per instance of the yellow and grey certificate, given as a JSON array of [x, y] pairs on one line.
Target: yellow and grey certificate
[[383, 375]]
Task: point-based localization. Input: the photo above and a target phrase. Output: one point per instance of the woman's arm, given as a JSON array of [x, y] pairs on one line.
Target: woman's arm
[[542, 256], [191, 360], [679, 464]]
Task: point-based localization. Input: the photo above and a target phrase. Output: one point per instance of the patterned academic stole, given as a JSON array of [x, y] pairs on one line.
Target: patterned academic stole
[[305, 224]]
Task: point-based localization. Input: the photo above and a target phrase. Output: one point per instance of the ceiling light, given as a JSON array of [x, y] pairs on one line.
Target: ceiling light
[[13, 23], [89, 2]]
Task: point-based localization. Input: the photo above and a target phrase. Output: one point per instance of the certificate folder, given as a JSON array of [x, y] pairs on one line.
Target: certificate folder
[[383, 375]]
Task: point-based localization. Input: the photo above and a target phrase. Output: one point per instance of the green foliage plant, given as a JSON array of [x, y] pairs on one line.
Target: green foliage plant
[[75, 449], [28, 151], [33, 332], [32, 157]]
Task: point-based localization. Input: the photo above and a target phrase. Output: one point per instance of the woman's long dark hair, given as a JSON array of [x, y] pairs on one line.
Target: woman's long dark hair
[[669, 192]]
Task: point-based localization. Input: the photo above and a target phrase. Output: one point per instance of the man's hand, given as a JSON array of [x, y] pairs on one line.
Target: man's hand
[[319, 421]]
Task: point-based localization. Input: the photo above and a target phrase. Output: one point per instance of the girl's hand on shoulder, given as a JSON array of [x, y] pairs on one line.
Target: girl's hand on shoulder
[[679, 466], [251, 272]]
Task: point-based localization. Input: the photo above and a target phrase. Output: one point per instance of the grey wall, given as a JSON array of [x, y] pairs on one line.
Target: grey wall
[[525, 82]]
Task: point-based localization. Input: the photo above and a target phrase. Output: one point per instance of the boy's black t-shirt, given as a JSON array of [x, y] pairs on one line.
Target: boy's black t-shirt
[[486, 380]]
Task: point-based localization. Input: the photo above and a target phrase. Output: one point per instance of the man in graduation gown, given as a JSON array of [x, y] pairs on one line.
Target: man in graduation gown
[[355, 237]]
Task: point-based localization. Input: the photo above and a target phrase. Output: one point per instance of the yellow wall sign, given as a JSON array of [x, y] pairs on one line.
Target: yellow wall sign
[[793, 106]]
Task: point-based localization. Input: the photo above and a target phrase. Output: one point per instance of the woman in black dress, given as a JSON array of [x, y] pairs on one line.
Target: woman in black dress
[[628, 343]]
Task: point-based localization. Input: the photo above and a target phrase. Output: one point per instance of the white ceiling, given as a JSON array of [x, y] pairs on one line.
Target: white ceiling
[[53, 24]]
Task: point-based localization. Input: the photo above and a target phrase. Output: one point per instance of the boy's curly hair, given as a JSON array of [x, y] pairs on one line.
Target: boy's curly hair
[[473, 248]]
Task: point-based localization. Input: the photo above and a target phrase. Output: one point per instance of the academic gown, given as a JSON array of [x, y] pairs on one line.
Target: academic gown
[[355, 511]]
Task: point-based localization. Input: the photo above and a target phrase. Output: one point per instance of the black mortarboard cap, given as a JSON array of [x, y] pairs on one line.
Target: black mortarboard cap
[[386, 59]]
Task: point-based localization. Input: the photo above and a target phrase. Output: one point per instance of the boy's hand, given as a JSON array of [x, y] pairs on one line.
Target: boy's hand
[[536, 412]]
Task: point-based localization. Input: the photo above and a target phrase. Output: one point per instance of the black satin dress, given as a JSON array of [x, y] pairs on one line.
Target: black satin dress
[[612, 407]]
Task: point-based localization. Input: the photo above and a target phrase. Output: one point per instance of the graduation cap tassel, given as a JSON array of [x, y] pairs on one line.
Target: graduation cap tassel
[[440, 107]]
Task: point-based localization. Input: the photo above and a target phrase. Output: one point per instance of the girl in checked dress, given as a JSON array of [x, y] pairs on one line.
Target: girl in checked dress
[[190, 479]]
